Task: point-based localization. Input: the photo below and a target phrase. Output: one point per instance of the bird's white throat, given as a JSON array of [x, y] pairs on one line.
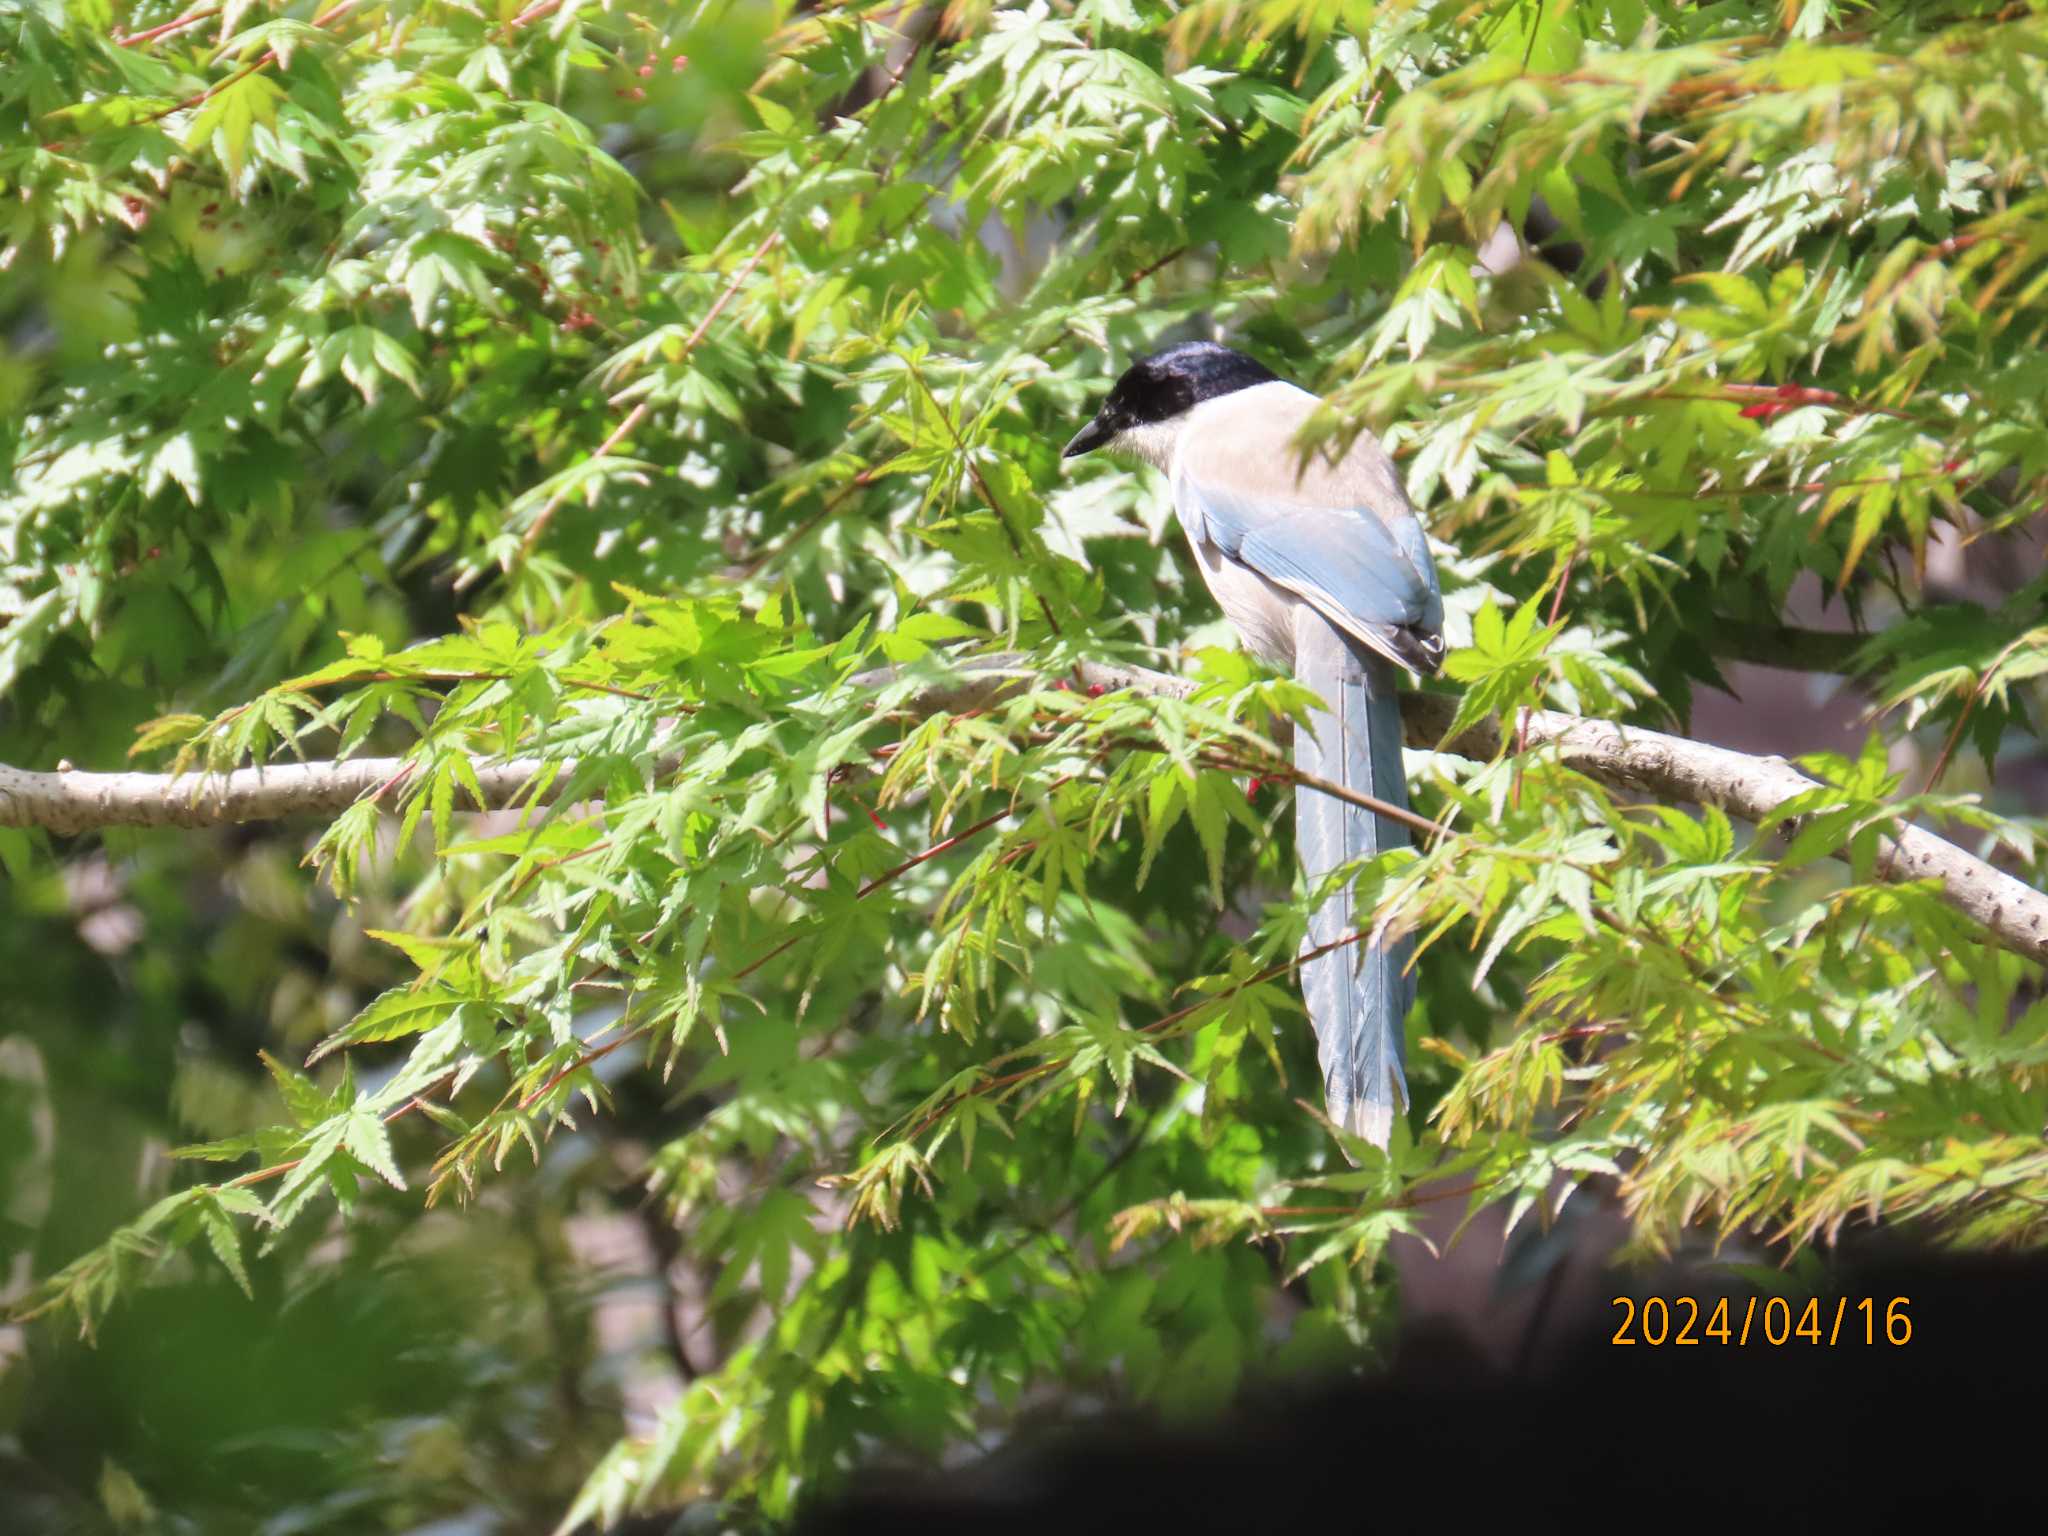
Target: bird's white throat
[[1152, 441]]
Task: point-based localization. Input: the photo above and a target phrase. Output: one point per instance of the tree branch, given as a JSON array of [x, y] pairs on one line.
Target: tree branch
[[70, 802], [1671, 768], [1751, 788]]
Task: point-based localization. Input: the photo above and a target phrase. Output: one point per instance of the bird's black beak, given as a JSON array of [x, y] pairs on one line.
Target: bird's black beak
[[1089, 438]]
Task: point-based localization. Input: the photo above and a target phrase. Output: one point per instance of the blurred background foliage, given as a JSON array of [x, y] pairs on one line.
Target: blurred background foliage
[[669, 368]]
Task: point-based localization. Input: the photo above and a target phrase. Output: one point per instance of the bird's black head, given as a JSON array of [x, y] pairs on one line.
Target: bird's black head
[[1168, 384]]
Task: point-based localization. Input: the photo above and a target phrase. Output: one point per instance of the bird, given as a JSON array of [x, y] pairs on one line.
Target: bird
[[1319, 562]]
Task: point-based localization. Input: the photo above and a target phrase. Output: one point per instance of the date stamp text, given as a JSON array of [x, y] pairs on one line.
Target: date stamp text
[[1777, 1321]]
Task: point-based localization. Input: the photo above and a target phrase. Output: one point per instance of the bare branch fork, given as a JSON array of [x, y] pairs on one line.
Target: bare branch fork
[[1671, 768]]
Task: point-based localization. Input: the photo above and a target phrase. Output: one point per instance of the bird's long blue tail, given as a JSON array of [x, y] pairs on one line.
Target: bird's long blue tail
[[1357, 995]]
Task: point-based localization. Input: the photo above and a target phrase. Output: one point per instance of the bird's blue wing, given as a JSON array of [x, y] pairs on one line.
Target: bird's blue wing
[[1414, 543], [1334, 556]]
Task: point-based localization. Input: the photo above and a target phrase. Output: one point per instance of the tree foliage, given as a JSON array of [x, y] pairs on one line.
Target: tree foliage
[[623, 386]]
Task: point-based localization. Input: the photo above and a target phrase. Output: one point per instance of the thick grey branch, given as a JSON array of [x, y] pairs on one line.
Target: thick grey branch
[[1751, 788], [69, 801], [1668, 767]]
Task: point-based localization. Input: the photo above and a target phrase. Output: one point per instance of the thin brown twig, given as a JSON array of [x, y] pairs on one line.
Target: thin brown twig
[[179, 24], [1344, 792], [809, 525], [279, 1170], [1144, 272], [883, 879], [531, 14], [1955, 735], [405, 771], [265, 58], [596, 1053], [935, 850]]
